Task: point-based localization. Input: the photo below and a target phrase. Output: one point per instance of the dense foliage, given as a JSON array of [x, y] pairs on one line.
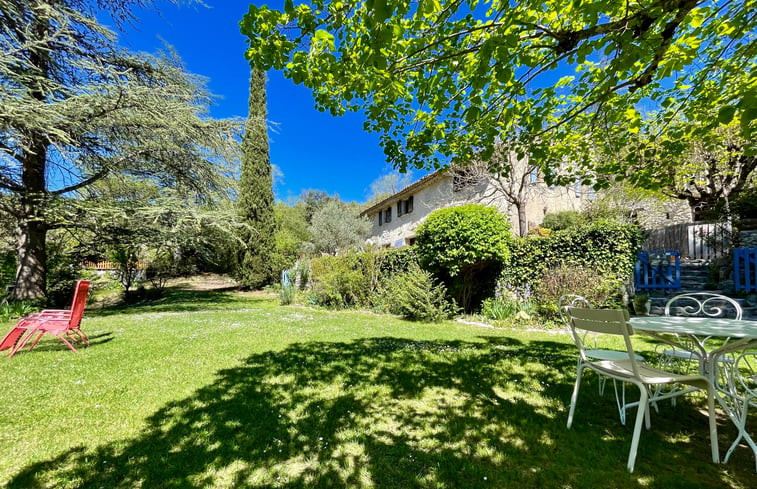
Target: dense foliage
[[465, 246], [77, 108], [604, 250], [453, 239], [415, 294], [291, 233], [255, 201], [343, 281], [562, 220], [444, 78], [336, 227]]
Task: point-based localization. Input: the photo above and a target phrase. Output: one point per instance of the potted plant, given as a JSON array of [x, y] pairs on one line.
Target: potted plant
[[642, 304]]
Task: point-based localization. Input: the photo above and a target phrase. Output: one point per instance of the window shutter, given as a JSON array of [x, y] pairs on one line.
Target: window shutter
[[409, 205], [399, 208], [388, 215], [381, 218]]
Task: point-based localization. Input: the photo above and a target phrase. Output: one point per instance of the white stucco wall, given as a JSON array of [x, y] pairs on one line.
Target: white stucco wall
[[439, 194]]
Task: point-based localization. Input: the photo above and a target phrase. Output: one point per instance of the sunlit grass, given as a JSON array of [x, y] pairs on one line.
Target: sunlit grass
[[220, 389]]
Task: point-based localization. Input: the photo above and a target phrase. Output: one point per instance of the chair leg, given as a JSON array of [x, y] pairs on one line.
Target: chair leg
[[83, 336], [22, 342], [713, 425], [602, 382], [34, 343], [741, 426], [640, 416], [574, 397], [620, 400], [69, 345]]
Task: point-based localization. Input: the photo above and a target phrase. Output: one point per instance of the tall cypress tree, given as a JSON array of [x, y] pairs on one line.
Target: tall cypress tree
[[256, 190]]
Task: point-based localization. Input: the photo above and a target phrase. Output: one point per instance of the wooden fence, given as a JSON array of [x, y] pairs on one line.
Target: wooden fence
[[745, 269], [695, 241], [107, 265]]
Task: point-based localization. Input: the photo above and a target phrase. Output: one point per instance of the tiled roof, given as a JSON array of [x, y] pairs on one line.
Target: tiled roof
[[406, 192]]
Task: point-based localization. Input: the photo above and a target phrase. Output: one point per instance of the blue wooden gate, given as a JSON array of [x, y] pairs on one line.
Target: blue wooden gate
[[745, 269], [658, 270]]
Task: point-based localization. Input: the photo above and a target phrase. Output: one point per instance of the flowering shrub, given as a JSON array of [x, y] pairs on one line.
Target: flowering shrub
[[509, 302]]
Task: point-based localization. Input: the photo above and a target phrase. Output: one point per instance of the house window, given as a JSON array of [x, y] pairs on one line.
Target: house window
[[667, 215], [381, 218], [388, 215], [534, 175], [405, 206], [410, 241], [577, 189], [591, 194]]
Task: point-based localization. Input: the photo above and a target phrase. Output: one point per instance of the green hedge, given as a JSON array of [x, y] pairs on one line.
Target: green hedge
[[607, 247]]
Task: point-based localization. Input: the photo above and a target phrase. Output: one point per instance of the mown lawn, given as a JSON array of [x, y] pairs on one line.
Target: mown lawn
[[221, 389]]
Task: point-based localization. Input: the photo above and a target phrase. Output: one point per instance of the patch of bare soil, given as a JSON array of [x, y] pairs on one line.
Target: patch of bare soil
[[204, 281]]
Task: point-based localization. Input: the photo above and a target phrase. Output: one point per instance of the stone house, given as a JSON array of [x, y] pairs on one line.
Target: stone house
[[395, 219]]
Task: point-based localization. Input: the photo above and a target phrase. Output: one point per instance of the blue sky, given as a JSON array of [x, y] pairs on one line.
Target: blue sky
[[313, 150]]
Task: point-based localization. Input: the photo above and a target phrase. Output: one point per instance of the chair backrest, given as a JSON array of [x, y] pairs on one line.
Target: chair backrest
[[563, 303], [570, 300], [604, 321], [703, 304], [78, 303]]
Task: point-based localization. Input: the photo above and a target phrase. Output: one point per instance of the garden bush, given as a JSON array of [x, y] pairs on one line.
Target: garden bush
[[600, 290], [340, 281], [466, 247], [562, 220], [351, 280], [415, 295], [16, 309], [608, 248]]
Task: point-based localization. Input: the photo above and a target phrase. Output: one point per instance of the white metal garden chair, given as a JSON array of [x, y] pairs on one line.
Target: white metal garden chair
[[615, 322], [743, 393], [596, 353]]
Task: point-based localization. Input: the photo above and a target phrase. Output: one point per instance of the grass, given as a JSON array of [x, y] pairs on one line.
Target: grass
[[222, 389]]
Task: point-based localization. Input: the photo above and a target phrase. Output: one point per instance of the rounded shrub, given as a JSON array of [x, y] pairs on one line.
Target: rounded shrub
[[451, 239], [465, 246]]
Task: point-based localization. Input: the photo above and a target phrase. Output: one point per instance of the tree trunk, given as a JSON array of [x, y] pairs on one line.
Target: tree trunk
[[31, 275], [522, 221]]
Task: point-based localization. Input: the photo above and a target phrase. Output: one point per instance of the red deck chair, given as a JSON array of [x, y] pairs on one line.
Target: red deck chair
[[64, 324]]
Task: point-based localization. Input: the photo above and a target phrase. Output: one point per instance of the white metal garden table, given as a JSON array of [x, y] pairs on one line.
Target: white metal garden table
[[739, 335]]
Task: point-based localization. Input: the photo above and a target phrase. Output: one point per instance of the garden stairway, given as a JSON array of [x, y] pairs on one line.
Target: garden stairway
[[695, 277]]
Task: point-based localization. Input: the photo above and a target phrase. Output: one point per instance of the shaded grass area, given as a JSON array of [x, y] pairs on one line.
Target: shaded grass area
[[245, 393]]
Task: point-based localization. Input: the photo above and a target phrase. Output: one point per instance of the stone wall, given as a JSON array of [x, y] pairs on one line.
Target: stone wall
[[748, 239]]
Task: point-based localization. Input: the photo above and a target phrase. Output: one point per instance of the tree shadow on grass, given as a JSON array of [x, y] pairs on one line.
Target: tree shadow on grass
[[398, 413], [179, 299]]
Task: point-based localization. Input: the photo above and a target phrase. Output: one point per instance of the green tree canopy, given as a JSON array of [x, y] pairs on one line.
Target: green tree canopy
[[444, 79], [255, 201], [337, 227], [75, 108]]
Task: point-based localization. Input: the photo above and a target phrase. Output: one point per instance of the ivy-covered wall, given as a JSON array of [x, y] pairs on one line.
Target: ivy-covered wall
[[608, 247]]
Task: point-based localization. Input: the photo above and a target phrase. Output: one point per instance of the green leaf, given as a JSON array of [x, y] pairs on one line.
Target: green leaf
[[725, 114]]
